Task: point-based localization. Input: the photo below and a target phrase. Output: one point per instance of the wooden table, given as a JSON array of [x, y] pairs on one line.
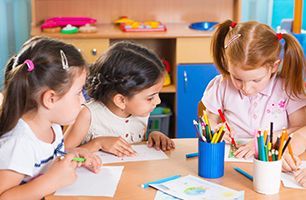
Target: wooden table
[[136, 173]]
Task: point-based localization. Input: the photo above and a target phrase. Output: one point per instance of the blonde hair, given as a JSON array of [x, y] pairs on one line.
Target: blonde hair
[[251, 45]]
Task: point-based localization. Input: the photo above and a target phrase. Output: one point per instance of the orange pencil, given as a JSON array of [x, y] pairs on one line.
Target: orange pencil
[[290, 149], [280, 148]]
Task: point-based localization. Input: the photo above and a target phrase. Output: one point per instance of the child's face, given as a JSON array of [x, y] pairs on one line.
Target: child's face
[[144, 102], [251, 82], [68, 107]]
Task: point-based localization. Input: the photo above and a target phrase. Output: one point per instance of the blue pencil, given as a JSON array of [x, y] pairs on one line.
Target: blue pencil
[[243, 173], [192, 155], [146, 185]]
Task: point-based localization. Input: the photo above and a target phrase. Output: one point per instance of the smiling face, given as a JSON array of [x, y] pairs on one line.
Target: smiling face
[[251, 82]]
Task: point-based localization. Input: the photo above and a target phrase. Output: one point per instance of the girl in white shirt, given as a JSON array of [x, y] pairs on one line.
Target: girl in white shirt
[[43, 90], [124, 85]]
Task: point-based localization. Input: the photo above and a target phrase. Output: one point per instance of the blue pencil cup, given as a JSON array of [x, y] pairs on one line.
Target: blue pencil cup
[[211, 159]]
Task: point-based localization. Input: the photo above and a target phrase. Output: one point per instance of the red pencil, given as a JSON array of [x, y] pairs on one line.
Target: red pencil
[[227, 126]]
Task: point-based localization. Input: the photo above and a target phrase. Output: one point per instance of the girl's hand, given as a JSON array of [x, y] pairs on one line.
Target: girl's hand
[[288, 163], [245, 151], [92, 163], [116, 145], [62, 171], [160, 141], [300, 177]]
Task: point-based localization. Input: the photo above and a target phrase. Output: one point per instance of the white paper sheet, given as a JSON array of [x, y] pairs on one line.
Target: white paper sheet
[[228, 156], [163, 196], [90, 184], [193, 188], [143, 153], [289, 181]]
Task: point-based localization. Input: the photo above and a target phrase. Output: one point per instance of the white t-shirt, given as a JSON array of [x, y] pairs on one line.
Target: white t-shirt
[[22, 152], [105, 123]]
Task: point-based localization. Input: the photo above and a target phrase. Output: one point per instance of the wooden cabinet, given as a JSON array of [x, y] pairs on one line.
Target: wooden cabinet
[[178, 45]]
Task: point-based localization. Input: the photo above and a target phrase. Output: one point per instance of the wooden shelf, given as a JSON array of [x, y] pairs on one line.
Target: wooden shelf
[[111, 31], [169, 89]]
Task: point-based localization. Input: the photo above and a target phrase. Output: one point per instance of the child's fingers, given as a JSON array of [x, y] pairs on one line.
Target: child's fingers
[[297, 160], [124, 150], [241, 152], [249, 154], [285, 166], [157, 143], [300, 175], [164, 143], [150, 142], [127, 148]]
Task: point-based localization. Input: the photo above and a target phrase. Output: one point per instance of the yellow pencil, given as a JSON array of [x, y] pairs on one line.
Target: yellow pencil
[[220, 132]]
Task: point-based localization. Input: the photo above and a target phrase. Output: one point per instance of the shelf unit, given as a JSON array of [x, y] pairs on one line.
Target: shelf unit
[[178, 45]]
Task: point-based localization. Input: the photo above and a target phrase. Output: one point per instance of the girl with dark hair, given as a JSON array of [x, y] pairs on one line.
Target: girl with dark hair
[[124, 85], [43, 90]]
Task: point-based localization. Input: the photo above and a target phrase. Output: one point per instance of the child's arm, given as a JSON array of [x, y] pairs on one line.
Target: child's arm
[[115, 145], [60, 174], [160, 141], [300, 177], [77, 131]]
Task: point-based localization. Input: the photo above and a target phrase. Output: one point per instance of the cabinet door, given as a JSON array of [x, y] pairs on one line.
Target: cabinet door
[[192, 80]]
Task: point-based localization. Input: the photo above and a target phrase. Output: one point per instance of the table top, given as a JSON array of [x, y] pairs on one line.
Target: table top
[[136, 173]]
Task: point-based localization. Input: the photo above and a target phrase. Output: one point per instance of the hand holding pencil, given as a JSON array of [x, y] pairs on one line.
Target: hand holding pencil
[[227, 127], [290, 164]]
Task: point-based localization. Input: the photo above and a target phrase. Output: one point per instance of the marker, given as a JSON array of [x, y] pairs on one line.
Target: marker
[[243, 173], [192, 155], [146, 185], [77, 159]]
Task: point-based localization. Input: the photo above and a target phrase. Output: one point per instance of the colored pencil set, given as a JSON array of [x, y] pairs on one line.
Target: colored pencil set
[[204, 131], [267, 151]]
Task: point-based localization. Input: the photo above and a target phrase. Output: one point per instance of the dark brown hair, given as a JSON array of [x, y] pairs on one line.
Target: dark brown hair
[[126, 68], [22, 88], [256, 45]]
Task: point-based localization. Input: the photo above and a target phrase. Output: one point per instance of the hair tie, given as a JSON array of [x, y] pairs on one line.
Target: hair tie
[[233, 24], [29, 64], [279, 36]]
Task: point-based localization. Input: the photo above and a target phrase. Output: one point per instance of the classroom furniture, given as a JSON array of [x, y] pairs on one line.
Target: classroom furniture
[[192, 80], [178, 45], [136, 173], [298, 16]]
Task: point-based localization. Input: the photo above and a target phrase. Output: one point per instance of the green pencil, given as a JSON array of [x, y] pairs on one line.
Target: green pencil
[[77, 159]]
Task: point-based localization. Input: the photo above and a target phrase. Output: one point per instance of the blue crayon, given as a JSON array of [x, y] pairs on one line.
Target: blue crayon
[[146, 185], [192, 155], [244, 173]]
